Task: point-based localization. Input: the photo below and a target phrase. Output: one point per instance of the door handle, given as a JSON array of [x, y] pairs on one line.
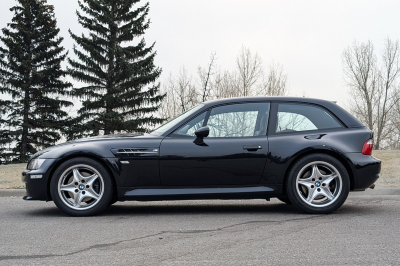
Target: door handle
[[252, 147]]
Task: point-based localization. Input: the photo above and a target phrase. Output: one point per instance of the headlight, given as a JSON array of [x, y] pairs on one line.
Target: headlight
[[35, 164]]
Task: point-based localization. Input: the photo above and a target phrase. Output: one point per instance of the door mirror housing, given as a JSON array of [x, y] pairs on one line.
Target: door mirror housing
[[202, 132]]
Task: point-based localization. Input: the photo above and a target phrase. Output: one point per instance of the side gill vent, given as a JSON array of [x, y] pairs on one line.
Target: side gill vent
[[135, 152]]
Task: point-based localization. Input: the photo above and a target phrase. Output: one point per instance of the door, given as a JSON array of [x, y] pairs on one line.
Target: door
[[234, 153]]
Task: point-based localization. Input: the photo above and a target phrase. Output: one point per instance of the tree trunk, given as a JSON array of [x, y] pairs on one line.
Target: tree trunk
[[25, 128]]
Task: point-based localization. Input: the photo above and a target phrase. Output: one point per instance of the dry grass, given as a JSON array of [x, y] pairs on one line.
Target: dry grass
[[390, 172], [10, 175]]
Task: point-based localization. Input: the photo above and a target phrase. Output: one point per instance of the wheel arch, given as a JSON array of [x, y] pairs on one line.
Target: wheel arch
[[76, 155], [341, 158]]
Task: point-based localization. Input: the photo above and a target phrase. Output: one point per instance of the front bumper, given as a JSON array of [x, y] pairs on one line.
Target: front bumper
[[37, 181], [365, 170]]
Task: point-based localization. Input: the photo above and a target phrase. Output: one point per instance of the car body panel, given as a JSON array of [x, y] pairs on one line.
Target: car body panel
[[198, 193], [38, 188], [285, 148], [366, 170], [218, 161]]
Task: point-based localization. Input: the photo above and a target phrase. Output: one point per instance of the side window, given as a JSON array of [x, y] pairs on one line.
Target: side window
[[303, 117], [190, 127], [238, 120]]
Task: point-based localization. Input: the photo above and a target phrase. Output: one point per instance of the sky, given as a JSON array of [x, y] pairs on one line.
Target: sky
[[307, 37]]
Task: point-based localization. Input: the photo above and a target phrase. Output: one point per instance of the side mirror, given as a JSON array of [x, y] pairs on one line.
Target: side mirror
[[202, 132]]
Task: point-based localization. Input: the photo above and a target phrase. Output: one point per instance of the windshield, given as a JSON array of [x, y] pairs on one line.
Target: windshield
[[164, 128]]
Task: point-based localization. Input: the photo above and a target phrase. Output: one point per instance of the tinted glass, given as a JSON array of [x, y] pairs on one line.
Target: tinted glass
[[176, 120], [190, 127], [239, 120], [303, 117]]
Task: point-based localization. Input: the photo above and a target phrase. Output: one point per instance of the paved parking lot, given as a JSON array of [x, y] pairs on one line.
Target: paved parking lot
[[249, 232]]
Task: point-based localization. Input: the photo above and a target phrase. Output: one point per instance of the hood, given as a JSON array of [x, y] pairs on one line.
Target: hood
[[100, 145]]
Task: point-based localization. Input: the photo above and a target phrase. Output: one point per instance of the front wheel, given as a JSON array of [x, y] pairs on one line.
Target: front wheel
[[81, 187], [318, 183]]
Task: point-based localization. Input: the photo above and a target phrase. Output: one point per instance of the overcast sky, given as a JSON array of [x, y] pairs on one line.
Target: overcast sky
[[306, 37]]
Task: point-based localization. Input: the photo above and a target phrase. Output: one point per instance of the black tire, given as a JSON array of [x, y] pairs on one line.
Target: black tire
[[285, 199], [318, 184], [81, 187], [113, 200]]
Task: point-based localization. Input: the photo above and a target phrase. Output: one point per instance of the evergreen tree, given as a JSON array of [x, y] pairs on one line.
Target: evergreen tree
[[30, 70], [5, 140], [121, 92]]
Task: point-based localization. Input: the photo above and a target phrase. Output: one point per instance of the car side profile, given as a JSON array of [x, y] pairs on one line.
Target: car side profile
[[306, 152]]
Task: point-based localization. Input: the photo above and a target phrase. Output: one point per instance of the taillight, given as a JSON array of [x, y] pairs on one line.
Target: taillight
[[367, 147]]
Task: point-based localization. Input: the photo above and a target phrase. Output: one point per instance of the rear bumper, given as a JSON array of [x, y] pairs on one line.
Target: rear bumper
[[36, 181], [366, 170]]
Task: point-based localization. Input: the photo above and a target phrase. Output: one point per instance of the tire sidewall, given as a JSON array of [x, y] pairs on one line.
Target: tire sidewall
[[104, 200], [292, 183]]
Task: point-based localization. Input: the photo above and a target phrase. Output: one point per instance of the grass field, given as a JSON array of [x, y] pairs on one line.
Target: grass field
[[10, 175]]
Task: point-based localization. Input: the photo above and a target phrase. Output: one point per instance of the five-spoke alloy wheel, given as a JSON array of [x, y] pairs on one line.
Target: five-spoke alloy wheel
[[81, 187], [318, 183]]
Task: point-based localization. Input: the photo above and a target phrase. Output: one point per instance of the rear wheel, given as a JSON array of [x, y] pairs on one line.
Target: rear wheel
[[81, 187], [318, 183]]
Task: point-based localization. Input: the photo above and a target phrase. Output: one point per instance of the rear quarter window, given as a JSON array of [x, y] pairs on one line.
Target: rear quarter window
[[303, 117]]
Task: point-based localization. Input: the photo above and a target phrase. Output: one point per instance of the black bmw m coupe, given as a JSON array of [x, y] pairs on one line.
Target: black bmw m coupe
[[306, 152]]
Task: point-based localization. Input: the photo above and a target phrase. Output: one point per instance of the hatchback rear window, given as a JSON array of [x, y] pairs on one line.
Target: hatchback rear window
[[303, 117]]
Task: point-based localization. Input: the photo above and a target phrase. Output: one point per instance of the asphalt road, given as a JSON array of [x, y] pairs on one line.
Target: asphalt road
[[365, 231]]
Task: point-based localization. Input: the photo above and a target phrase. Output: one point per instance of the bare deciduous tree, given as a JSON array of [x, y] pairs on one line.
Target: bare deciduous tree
[[393, 140], [214, 83], [205, 76], [274, 84], [186, 91], [388, 89], [226, 85], [168, 108], [249, 70], [373, 89], [360, 73], [181, 95]]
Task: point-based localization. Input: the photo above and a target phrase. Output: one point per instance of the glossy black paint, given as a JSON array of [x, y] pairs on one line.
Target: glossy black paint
[[219, 162], [152, 167], [202, 132]]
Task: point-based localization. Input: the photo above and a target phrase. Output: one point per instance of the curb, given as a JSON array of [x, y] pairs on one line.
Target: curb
[[12, 192], [377, 191]]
